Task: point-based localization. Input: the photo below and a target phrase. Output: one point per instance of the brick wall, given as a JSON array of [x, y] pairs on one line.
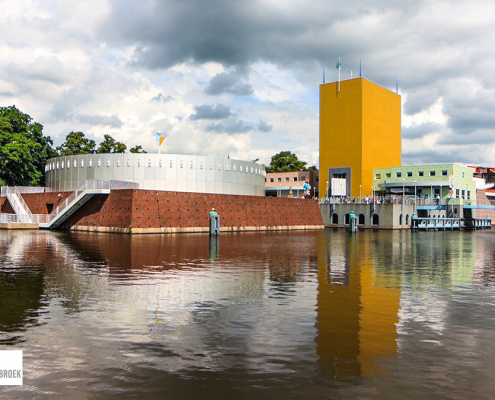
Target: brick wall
[[155, 209], [37, 202]]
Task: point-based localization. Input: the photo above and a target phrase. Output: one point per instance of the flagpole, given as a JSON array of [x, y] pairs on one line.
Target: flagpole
[[339, 74]]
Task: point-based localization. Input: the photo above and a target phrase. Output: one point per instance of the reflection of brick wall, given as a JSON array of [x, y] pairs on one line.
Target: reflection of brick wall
[[155, 209]]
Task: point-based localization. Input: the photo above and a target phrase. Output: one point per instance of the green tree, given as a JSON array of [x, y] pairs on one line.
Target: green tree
[[109, 145], [313, 168], [76, 143], [137, 149], [23, 149], [285, 161]]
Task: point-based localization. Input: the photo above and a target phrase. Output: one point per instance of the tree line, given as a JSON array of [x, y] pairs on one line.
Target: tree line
[[24, 150]]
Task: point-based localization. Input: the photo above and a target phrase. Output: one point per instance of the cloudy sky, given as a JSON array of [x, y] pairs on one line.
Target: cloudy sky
[[242, 77]]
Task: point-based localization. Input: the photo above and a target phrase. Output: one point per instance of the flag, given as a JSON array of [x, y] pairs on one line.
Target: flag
[[339, 65]]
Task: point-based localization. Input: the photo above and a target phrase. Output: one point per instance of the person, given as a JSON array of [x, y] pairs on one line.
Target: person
[[437, 199]]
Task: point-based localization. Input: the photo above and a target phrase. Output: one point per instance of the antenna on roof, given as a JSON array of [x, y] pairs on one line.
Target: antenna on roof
[[397, 87], [359, 67]]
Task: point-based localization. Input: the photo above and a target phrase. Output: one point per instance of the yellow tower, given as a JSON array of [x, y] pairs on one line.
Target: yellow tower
[[359, 129]]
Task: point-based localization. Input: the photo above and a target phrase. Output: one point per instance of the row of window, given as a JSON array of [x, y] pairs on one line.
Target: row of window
[[409, 174], [287, 179], [61, 165]]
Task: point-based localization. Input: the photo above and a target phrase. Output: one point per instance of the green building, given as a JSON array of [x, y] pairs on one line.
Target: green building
[[427, 182]]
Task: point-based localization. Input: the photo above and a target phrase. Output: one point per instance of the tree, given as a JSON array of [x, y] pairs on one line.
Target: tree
[[285, 161], [137, 149], [109, 145], [76, 143], [23, 149], [313, 168]]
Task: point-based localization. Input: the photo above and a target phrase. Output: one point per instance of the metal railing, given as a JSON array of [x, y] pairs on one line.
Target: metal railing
[[90, 184], [15, 199], [22, 218]]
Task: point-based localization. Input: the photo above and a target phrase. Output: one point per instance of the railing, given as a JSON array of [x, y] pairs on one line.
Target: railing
[[419, 223], [15, 200], [90, 184], [22, 218]]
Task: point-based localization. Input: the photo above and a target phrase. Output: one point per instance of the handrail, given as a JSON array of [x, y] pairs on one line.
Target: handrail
[[22, 218], [83, 187], [16, 200]]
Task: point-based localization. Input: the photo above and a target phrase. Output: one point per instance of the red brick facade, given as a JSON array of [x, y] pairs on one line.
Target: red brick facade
[[162, 209]]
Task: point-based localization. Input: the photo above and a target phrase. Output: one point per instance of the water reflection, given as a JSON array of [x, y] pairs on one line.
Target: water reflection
[[286, 314], [356, 313]]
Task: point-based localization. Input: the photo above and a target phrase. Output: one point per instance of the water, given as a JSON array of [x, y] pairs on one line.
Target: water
[[275, 315]]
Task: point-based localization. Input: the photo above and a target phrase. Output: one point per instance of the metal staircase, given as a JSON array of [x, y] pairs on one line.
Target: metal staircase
[[76, 199], [22, 212]]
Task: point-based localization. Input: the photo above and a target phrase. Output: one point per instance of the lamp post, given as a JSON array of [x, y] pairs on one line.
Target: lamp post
[[415, 201]]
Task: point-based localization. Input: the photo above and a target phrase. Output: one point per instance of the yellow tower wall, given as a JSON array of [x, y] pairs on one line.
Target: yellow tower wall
[[359, 128]]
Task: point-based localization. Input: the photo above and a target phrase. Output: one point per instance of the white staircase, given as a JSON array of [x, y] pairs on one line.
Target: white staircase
[[76, 199], [22, 212]]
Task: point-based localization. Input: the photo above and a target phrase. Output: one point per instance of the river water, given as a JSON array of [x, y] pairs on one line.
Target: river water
[[272, 315]]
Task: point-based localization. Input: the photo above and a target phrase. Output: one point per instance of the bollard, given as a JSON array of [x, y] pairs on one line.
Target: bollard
[[353, 222], [214, 223]]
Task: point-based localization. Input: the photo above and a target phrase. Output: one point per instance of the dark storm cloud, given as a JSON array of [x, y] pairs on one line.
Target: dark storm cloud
[[228, 83], [211, 112], [102, 120], [416, 132], [264, 127], [230, 127]]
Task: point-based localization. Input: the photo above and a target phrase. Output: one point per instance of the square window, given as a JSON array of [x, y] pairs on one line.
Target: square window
[[295, 179], [287, 179], [409, 174], [378, 176], [279, 179], [444, 172], [421, 173], [388, 175], [398, 174], [317, 179], [432, 173], [271, 179]]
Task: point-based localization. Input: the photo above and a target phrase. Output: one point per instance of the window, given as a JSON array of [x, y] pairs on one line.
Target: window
[[378, 176], [279, 179], [271, 179], [421, 173], [234, 167], [128, 162], [139, 162], [201, 165], [99, 163], [462, 174], [457, 193], [226, 167], [287, 179], [118, 163], [463, 193], [108, 162], [432, 173], [75, 164], [82, 163], [90, 163], [468, 194], [181, 163], [398, 174], [192, 165], [317, 179], [68, 164], [388, 175], [62, 164], [444, 172], [409, 174], [160, 163], [171, 164], [295, 179], [149, 162], [219, 167]]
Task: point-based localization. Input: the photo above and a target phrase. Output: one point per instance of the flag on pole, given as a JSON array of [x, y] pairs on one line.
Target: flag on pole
[[339, 65]]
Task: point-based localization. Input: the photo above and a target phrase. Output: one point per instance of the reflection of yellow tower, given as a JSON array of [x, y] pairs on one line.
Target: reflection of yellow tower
[[360, 129], [356, 314]]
